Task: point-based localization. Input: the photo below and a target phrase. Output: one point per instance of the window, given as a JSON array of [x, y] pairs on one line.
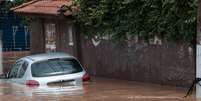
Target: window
[[70, 32], [23, 69], [14, 71], [55, 67], [50, 37]]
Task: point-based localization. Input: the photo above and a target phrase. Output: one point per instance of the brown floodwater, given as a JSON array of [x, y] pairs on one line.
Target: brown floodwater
[[99, 89]]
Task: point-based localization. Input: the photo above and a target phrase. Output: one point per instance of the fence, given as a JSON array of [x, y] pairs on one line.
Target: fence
[[16, 38], [15, 34]]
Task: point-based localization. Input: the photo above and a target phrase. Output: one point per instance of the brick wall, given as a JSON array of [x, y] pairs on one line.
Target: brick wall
[[10, 57], [168, 63]]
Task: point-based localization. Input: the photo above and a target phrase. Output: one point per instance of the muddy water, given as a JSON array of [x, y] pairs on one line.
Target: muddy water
[[100, 89]]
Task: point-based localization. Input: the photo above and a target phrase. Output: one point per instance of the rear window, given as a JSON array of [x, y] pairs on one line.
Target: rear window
[[54, 67]]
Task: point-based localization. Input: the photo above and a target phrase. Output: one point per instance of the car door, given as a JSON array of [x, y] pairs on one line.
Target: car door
[[17, 72]]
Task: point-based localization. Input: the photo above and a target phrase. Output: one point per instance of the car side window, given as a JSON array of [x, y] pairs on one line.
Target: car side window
[[22, 69], [14, 70]]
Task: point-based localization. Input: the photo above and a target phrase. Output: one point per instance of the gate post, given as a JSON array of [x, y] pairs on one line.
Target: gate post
[[198, 70], [198, 51]]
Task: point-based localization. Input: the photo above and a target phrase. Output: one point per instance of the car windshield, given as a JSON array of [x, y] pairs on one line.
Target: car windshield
[[53, 67]]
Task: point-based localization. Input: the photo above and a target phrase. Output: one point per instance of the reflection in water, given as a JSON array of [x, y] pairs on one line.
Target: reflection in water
[[13, 89], [45, 90], [99, 90]]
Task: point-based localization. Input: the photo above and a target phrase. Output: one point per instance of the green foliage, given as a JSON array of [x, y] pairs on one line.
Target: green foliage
[[169, 19]]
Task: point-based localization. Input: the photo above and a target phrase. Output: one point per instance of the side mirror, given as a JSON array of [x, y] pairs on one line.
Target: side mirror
[[3, 76]]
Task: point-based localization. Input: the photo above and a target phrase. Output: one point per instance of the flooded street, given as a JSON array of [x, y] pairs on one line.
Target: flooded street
[[100, 89]]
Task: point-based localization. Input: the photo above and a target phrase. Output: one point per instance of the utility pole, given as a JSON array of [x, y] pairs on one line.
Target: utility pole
[[198, 51]]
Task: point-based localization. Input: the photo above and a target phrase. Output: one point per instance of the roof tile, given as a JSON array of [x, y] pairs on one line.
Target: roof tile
[[42, 7]]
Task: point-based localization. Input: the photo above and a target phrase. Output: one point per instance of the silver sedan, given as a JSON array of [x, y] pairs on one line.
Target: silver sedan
[[48, 69]]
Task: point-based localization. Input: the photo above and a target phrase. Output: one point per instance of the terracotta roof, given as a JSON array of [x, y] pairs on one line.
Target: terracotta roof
[[50, 7]]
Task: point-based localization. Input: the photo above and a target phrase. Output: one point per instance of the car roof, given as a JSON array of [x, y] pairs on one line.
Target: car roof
[[45, 56]]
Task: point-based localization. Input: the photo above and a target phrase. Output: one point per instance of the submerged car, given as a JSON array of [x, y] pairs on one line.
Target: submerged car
[[48, 69]]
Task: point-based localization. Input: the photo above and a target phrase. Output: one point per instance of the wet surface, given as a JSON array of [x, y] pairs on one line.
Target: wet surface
[[100, 89]]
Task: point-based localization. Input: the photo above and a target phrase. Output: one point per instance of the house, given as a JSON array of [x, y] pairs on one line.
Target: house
[[50, 30]]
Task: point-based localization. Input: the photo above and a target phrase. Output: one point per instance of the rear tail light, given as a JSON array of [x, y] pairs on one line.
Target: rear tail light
[[86, 77], [32, 82]]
